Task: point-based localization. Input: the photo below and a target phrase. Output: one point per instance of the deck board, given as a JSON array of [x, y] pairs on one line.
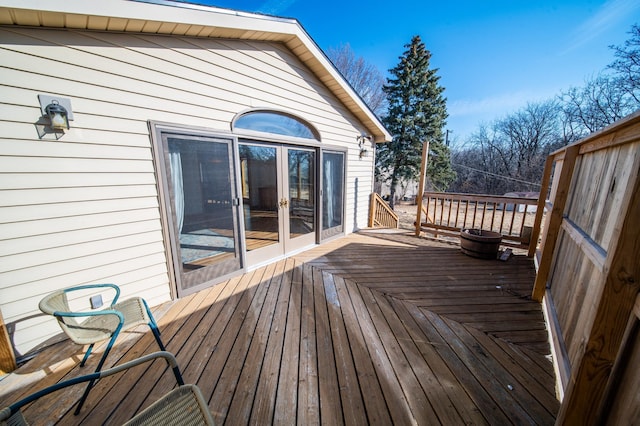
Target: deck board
[[370, 388], [287, 390], [366, 329]]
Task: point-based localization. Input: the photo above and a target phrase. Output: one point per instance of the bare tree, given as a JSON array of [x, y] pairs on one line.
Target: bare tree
[[600, 102], [364, 77], [527, 132], [611, 95], [509, 155], [627, 64]]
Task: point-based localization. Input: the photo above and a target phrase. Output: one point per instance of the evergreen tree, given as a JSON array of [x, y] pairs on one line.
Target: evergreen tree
[[417, 112], [440, 174]]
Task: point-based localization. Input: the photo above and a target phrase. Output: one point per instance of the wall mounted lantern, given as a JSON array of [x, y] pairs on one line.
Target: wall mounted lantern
[[362, 144], [56, 114]]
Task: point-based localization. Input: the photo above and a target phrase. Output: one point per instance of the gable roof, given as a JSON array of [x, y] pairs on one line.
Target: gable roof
[[168, 17]]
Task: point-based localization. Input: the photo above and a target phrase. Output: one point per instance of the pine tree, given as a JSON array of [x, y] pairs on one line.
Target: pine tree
[[417, 112], [440, 174]]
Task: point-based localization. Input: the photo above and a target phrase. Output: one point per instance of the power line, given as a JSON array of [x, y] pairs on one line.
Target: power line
[[496, 175]]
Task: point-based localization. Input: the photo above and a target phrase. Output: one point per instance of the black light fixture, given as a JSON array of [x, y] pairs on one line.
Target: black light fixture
[[58, 115], [362, 144]]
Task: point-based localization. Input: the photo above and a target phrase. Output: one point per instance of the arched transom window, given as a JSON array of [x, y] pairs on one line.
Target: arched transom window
[[276, 122]]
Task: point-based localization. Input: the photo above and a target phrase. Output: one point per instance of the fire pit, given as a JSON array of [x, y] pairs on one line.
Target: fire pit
[[479, 243]]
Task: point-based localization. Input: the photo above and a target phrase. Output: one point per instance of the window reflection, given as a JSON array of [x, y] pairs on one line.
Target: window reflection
[[333, 190], [277, 123], [259, 187], [202, 201], [302, 173]]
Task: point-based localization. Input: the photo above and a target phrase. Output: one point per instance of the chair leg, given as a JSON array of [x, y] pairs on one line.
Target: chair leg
[[98, 368], [83, 398], [156, 334], [86, 355], [154, 326], [152, 320]]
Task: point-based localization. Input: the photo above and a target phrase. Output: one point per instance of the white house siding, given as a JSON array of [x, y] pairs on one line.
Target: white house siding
[[84, 208]]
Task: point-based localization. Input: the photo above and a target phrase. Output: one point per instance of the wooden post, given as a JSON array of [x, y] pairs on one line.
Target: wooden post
[[542, 202], [7, 357], [423, 173], [372, 210], [555, 222]]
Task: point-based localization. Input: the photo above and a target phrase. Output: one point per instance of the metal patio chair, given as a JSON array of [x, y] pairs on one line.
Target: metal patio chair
[[91, 327], [183, 405]]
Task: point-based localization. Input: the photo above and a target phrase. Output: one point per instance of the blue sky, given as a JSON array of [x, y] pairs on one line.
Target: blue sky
[[493, 56]]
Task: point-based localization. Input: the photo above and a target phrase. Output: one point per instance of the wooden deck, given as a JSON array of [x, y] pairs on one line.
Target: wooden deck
[[372, 328]]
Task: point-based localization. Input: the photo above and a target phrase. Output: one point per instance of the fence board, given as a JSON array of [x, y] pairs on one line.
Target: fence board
[[589, 275]]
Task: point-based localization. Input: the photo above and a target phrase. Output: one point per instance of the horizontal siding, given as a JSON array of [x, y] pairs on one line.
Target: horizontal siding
[[146, 104], [44, 219], [84, 208], [10, 164], [68, 195], [70, 180], [360, 171], [49, 241], [127, 274], [30, 278], [13, 267], [119, 273], [57, 149]]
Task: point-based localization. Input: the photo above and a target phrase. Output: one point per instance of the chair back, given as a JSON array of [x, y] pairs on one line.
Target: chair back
[[184, 405], [17, 419], [58, 302]]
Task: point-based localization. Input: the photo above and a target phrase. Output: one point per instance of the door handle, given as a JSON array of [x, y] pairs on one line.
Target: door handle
[[284, 202]]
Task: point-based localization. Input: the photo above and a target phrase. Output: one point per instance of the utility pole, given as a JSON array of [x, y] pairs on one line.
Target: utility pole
[[446, 138]]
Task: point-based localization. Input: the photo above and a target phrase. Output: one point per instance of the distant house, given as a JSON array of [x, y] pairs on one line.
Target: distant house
[[202, 142], [521, 207]]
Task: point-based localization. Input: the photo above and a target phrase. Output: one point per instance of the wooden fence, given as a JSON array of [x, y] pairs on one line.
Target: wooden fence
[[513, 217], [380, 214], [589, 274]]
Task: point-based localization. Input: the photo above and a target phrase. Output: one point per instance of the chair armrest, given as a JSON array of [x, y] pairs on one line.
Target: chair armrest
[[7, 412], [92, 286], [91, 314], [168, 356]]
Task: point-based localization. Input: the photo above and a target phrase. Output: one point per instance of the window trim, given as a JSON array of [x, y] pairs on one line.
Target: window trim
[[269, 135]]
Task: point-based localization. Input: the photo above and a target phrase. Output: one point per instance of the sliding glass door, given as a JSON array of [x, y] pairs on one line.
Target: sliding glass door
[[204, 207], [333, 175]]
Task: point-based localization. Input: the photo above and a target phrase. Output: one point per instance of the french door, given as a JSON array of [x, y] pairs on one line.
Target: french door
[[279, 194]]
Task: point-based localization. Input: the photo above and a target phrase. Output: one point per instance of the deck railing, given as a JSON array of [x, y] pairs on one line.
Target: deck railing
[[513, 217], [380, 214]]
